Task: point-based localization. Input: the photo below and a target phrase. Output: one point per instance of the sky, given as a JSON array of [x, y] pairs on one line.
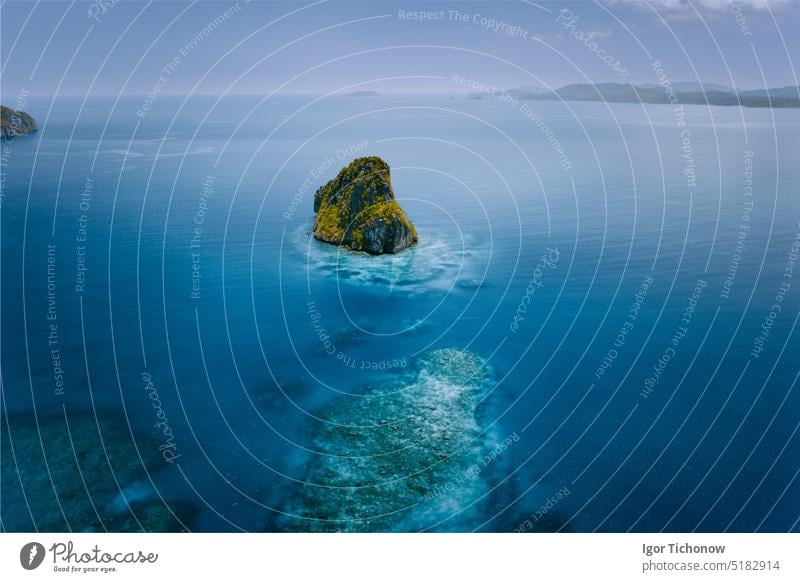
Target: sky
[[105, 47]]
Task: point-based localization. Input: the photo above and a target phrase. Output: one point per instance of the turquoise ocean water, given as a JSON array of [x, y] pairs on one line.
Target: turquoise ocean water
[[623, 271]]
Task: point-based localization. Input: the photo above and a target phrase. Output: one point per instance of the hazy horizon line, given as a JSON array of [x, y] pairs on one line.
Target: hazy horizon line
[[389, 92]]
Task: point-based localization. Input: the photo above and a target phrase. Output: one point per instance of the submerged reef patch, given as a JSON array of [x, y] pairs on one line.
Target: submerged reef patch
[[402, 456], [80, 473]]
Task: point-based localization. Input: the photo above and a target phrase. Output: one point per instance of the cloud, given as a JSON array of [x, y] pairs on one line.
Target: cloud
[[672, 6], [548, 38], [607, 33], [496, 51]]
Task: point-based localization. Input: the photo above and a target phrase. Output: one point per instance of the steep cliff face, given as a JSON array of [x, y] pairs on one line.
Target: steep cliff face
[[14, 123], [358, 210]]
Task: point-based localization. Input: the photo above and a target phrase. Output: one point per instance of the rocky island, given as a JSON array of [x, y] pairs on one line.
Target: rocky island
[[358, 210], [14, 123]]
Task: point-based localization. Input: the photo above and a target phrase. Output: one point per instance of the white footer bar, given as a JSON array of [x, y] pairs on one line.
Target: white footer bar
[[406, 557]]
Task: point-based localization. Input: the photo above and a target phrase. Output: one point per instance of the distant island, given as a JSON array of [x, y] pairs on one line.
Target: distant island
[[362, 94], [14, 123], [687, 93], [358, 210]]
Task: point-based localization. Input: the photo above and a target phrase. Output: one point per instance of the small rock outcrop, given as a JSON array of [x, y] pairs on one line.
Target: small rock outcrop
[[358, 210], [14, 123]]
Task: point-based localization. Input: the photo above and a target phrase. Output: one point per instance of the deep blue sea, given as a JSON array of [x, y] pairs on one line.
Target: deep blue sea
[[625, 272]]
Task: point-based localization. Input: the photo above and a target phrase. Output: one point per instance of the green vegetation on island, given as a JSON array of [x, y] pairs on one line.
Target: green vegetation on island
[[358, 210], [14, 123]]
